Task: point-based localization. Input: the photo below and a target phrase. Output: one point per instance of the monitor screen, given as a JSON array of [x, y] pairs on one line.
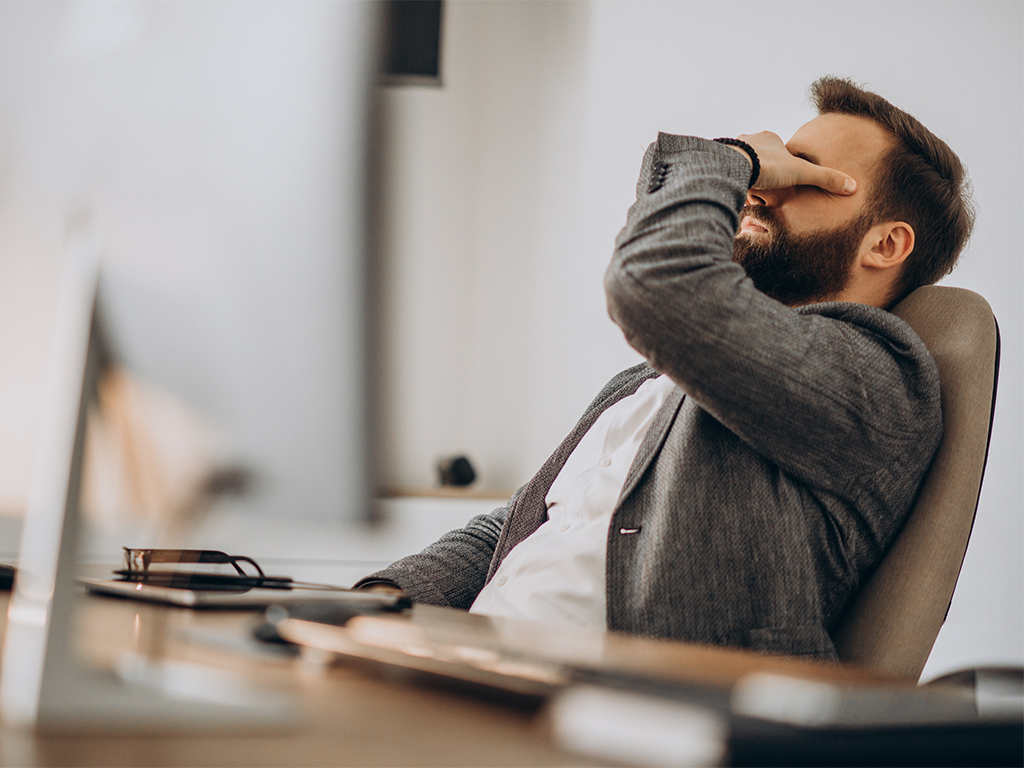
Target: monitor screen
[[196, 171], [220, 150]]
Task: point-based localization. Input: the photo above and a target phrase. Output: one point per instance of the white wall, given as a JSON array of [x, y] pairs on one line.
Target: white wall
[[506, 188], [477, 174]]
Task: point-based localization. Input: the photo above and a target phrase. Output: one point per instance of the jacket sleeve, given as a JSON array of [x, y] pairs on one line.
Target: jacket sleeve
[[826, 392], [451, 571]]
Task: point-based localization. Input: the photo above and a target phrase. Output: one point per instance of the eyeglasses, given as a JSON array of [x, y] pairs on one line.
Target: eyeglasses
[[139, 560]]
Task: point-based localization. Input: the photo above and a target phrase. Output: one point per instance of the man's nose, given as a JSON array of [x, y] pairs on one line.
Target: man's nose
[[771, 198]]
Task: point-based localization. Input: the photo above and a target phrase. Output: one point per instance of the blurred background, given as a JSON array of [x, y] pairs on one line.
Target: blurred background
[[216, 144]]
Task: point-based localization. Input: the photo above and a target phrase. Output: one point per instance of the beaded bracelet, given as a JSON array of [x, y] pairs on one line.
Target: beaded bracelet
[[756, 170]]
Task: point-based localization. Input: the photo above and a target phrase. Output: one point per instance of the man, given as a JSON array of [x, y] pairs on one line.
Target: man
[[738, 487]]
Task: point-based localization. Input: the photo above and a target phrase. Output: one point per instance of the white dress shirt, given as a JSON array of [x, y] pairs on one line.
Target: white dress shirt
[[557, 575]]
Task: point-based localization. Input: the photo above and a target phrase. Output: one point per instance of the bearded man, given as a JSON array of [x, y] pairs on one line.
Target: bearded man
[[737, 487]]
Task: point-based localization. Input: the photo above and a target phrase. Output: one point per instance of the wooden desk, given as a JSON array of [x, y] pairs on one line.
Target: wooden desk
[[350, 716]]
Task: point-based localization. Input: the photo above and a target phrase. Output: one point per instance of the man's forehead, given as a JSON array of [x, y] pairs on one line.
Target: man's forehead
[[849, 143]]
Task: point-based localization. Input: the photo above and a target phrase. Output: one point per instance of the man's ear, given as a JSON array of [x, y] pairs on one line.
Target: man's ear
[[887, 245]]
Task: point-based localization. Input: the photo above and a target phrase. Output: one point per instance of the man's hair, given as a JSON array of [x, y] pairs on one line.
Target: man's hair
[[920, 180]]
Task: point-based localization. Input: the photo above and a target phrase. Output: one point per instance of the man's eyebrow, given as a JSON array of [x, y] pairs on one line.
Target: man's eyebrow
[[808, 157]]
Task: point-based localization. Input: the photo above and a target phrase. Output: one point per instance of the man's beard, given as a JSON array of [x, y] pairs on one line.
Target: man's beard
[[799, 269]]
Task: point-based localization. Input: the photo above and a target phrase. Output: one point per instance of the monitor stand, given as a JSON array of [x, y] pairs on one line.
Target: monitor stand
[[44, 685]]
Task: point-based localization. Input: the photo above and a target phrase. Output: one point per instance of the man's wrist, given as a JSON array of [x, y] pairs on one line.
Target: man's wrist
[[380, 585], [748, 152], [743, 152]]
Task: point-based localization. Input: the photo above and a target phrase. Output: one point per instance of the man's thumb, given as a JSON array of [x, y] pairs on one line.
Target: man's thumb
[[838, 183]]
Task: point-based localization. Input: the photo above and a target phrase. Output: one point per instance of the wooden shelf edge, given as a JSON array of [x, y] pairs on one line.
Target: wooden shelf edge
[[495, 494]]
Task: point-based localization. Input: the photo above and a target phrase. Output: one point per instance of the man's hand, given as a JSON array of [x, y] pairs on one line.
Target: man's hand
[[781, 169], [383, 587]]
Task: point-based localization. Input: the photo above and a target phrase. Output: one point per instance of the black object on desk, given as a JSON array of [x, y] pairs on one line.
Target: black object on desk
[[978, 743]]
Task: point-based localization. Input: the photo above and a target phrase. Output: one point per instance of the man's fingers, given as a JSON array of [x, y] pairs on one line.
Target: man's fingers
[[836, 182]]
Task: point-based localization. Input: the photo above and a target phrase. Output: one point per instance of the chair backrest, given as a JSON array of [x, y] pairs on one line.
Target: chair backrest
[[892, 623]]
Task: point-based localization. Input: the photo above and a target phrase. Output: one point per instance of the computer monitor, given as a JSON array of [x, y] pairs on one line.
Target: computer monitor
[[43, 682], [220, 150]]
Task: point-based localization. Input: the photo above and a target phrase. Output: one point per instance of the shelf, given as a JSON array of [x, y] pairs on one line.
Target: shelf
[[447, 492]]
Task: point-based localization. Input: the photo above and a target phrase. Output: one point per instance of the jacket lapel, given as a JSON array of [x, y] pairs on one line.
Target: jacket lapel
[[652, 442], [529, 511]]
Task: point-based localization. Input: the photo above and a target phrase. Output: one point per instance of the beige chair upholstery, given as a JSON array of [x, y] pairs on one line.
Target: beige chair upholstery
[[893, 621]]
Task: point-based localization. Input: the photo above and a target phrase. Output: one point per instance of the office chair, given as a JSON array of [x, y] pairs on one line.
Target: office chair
[[891, 624]]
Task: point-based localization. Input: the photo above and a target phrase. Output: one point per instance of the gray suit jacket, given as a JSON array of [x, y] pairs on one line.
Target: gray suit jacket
[[777, 474]]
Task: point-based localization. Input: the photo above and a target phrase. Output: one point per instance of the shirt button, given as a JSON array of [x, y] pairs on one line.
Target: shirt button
[[564, 528], [502, 580], [605, 461]]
